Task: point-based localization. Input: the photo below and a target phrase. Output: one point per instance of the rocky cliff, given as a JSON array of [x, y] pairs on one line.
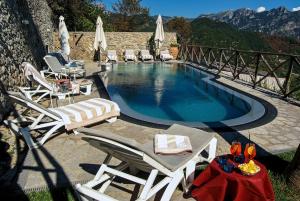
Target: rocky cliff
[[278, 21]]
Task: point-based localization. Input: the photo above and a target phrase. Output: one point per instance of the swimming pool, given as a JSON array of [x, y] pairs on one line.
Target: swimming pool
[[163, 93]]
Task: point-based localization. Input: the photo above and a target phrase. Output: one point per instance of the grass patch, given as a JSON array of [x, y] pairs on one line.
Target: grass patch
[[283, 192], [66, 194]]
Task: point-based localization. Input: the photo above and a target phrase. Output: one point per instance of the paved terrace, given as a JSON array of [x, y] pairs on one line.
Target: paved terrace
[[66, 159]]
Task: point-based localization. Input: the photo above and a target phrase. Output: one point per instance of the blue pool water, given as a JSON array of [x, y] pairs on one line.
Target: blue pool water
[[172, 93]]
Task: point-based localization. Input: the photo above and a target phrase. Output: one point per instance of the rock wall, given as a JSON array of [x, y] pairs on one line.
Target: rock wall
[[81, 43], [41, 15], [20, 40]]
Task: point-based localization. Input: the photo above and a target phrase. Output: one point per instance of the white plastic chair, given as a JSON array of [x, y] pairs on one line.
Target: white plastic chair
[[129, 55]]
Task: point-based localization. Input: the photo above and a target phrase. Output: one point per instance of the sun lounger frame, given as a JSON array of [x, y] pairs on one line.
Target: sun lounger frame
[[105, 175], [53, 121]]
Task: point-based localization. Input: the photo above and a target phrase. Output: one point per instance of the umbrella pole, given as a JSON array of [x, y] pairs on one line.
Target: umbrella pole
[[99, 64]]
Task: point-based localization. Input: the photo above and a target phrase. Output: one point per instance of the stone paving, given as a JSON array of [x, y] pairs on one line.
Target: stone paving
[[280, 134], [66, 159]]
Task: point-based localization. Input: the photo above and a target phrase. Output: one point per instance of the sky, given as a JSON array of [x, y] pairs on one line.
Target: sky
[[193, 8]]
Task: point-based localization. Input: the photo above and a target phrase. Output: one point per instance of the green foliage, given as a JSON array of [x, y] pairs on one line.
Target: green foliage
[[218, 34], [130, 7], [282, 190], [80, 15], [129, 15], [182, 27]]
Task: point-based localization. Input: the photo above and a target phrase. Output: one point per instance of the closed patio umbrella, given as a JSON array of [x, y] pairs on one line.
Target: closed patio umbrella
[[100, 41], [159, 33], [64, 36]]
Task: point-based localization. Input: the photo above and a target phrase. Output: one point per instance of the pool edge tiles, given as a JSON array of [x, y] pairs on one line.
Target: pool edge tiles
[[256, 112]]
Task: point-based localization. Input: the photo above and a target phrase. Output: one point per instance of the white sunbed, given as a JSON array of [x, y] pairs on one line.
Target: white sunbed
[[112, 55], [129, 55], [50, 120], [65, 61], [173, 168], [44, 88], [165, 55], [58, 70], [145, 55]]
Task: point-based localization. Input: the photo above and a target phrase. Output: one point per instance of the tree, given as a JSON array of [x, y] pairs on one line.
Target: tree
[[182, 27], [129, 15], [130, 7], [80, 15]]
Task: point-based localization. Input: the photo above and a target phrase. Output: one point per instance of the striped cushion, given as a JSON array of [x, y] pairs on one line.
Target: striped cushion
[[87, 112]]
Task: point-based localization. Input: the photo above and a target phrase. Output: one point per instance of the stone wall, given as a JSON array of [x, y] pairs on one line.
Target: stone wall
[[81, 43], [20, 40], [41, 15]]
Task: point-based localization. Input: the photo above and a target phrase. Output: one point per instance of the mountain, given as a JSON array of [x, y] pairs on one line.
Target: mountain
[[278, 21], [212, 33]]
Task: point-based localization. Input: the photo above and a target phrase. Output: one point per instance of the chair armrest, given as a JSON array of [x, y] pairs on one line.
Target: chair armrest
[[47, 72]]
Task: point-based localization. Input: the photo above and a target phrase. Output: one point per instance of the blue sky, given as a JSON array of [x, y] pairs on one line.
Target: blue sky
[[192, 8]]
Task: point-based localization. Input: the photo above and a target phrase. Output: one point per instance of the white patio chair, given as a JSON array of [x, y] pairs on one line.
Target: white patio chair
[[50, 120], [129, 55], [58, 70], [112, 55], [145, 55], [165, 55], [173, 168]]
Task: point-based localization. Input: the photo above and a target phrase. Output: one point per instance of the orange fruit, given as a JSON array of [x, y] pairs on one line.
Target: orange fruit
[[250, 150]]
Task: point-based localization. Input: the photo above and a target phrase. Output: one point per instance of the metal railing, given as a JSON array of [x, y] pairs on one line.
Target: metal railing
[[273, 71]]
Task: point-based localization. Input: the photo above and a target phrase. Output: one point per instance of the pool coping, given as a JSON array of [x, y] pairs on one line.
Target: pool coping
[[257, 115]]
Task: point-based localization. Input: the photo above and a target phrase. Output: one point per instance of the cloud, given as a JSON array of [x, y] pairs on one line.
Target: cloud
[[296, 9], [260, 9]]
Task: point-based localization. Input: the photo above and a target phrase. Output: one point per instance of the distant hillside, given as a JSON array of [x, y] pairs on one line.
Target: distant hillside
[[219, 34], [279, 21]]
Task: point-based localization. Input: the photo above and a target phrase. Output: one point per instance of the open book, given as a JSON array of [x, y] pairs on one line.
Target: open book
[[171, 144]]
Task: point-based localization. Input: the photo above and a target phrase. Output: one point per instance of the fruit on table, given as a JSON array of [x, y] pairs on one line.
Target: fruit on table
[[249, 167], [250, 150]]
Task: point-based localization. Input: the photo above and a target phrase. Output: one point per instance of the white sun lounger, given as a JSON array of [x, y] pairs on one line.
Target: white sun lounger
[[145, 55], [129, 55], [174, 168], [112, 55], [165, 55], [62, 58], [45, 88], [58, 70], [50, 120]]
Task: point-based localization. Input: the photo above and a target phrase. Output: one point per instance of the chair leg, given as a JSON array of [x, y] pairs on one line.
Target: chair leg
[[148, 184], [212, 149], [50, 132], [25, 132], [178, 176]]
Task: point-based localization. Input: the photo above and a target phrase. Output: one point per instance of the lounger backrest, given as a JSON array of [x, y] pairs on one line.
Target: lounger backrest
[[53, 63], [111, 52], [124, 149], [164, 52], [129, 52], [18, 98], [29, 69], [62, 60], [145, 52]]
